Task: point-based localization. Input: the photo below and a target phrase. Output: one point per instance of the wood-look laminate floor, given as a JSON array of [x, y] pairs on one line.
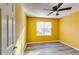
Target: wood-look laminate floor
[[55, 48]]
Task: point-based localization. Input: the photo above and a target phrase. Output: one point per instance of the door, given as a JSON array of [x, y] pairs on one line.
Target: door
[[7, 30]]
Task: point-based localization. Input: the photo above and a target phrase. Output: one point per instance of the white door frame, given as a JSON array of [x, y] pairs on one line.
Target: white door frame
[[5, 11], [0, 30]]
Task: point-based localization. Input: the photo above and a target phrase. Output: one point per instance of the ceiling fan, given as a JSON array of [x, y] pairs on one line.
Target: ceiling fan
[[55, 9]]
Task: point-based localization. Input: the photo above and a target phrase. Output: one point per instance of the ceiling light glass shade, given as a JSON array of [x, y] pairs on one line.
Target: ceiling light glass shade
[[55, 12]]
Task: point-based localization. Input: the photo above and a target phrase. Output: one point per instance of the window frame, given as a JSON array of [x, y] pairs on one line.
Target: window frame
[[44, 31]]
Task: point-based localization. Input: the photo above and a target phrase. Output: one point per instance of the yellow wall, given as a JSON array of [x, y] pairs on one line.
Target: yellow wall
[[32, 37], [20, 29], [69, 30]]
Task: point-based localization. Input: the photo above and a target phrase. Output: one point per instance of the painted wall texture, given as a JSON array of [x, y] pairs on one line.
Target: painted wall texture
[[31, 34], [20, 29], [69, 30]]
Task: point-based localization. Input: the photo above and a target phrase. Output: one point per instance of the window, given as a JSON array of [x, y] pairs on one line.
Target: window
[[43, 28]]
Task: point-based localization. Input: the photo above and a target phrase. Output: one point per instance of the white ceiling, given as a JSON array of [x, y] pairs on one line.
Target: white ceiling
[[37, 9]]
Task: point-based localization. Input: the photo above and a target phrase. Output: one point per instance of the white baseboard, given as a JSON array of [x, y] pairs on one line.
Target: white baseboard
[[43, 42], [69, 45]]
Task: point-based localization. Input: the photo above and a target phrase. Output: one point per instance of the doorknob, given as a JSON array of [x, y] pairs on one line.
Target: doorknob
[[14, 47]]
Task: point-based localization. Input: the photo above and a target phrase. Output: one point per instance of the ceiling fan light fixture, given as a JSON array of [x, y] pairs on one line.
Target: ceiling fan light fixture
[[55, 9], [55, 12]]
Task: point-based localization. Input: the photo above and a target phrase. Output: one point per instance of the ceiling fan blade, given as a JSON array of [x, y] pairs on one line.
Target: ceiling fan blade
[[49, 13], [69, 8], [59, 5]]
